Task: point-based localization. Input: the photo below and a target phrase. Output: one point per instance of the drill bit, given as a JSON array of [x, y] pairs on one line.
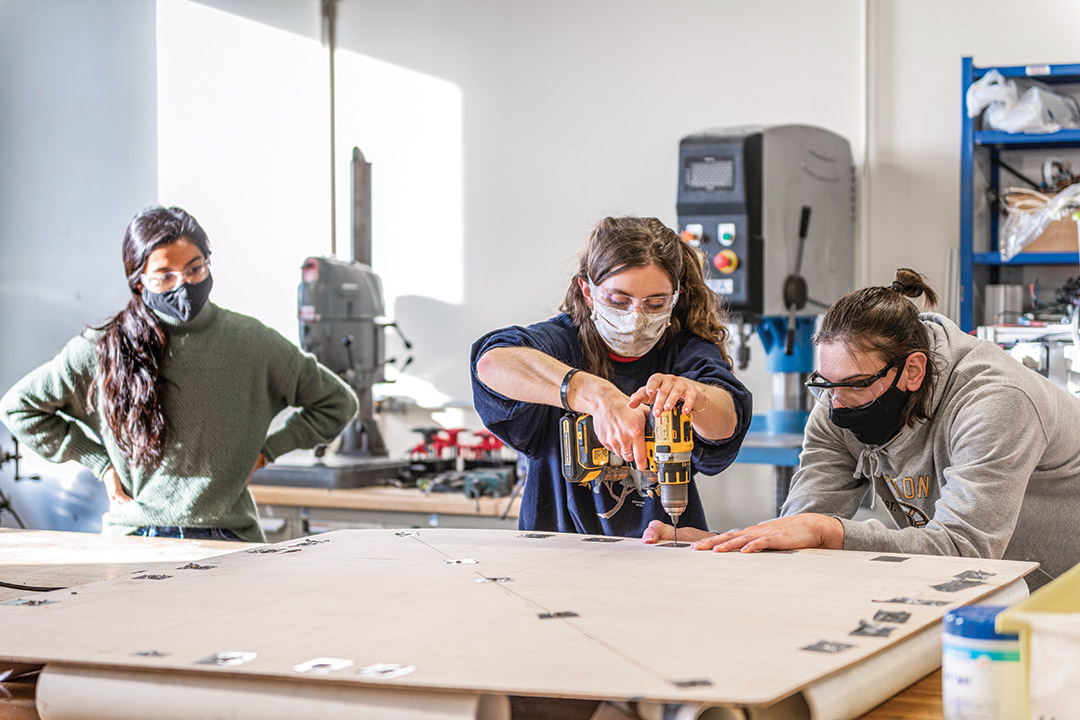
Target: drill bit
[[675, 526]]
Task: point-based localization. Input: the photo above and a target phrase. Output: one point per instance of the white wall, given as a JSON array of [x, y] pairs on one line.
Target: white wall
[[78, 158], [915, 149], [573, 110]]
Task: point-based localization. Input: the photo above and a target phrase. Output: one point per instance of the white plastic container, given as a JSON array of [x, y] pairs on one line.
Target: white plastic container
[[1049, 627], [981, 673]]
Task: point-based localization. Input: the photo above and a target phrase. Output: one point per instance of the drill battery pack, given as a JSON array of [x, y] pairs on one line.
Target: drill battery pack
[[584, 459]]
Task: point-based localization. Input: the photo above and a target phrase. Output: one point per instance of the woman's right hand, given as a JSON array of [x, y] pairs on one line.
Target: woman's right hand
[[113, 487], [621, 429]]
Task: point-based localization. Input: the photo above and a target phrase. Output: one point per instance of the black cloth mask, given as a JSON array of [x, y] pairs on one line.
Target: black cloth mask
[[183, 302], [878, 421]]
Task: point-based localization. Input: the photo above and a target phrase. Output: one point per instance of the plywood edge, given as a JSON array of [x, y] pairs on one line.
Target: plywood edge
[[68, 692]]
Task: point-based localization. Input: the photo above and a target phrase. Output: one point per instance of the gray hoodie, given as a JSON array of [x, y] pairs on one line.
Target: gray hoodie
[[994, 473]]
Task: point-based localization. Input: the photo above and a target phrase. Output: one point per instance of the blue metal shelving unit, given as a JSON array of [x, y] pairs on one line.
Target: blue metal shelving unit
[[1062, 138], [1036, 258], [973, 140]]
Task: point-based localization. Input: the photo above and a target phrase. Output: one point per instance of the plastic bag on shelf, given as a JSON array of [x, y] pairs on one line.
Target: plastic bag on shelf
[[1038, 109], [1031, 212]]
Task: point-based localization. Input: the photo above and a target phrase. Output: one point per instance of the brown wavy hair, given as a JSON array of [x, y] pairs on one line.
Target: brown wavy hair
[[131, 350], [619, 244], [883, 320]]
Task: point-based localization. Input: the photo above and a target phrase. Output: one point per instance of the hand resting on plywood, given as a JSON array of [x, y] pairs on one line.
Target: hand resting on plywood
[[805, 530]]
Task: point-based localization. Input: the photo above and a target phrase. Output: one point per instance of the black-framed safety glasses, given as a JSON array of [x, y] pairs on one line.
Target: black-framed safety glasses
[[851, 393]]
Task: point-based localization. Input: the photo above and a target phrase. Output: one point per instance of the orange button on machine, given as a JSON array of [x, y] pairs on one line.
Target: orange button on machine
[[726, 261], [693, 234]]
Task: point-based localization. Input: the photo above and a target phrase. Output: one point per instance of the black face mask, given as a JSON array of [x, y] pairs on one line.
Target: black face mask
[[878, 421], [183, 302]]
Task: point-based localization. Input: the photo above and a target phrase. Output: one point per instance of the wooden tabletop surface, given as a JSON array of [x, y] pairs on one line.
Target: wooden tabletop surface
[[921, 701], [386, 499]]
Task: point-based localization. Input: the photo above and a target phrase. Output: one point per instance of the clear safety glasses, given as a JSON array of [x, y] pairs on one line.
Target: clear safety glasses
[[650, 306], [851, 393], [161, 282]]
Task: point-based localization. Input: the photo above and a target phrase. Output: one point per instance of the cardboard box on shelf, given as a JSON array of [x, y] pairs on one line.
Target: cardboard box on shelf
[[1059, 236]]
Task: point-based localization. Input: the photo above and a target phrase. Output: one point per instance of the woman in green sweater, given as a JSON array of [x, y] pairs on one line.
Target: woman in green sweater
[[169, 403]]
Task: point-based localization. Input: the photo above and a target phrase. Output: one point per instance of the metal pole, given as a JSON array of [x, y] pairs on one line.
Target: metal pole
[[329, 16]]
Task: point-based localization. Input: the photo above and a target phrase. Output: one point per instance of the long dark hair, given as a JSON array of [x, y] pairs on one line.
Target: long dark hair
[[618, 244], [134, 343], [883, 320]]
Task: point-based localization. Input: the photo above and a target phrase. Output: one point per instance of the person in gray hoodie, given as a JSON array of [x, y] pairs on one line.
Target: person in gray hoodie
[[972, 453]]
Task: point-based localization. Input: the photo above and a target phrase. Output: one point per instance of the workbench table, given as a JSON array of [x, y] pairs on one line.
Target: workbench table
[[376, 507]]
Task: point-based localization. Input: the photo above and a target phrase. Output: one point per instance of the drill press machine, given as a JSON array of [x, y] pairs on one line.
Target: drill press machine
[[772, 210]]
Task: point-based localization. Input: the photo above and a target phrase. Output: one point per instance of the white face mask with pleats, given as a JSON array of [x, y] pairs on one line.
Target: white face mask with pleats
[[627, 332]]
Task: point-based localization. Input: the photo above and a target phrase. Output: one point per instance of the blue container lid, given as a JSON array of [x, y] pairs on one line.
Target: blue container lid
[[975, 621]]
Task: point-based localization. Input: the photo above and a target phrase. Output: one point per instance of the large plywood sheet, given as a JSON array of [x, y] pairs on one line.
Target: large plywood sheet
[[506, 612], [49, 559]]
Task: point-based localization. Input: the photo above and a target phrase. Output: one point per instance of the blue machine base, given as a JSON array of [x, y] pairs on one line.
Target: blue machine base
[[773, 331], [786, 421], [775, 438]]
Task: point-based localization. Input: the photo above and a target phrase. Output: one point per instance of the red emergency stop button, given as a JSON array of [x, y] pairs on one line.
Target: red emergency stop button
[[726, 261]]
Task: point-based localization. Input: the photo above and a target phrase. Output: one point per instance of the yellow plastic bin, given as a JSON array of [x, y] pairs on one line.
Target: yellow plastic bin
[[1048, 624]]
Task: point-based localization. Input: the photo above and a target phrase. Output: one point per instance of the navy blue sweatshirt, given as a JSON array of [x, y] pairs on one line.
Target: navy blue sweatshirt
[[621, 508]]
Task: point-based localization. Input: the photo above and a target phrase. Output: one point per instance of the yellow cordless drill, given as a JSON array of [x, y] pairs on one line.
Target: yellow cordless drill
[[669, 440]]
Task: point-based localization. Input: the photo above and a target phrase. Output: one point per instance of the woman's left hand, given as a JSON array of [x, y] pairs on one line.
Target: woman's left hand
[[805, 530], [663, 391], [659, 531], [260, 463]]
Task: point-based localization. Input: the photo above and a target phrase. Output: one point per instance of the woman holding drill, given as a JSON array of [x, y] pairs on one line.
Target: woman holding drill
[[639, 331]]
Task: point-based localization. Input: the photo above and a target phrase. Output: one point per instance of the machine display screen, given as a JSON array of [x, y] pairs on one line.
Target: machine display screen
[[710, 173]]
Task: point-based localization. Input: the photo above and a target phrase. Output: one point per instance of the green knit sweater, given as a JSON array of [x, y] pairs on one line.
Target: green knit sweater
[[226, 377]]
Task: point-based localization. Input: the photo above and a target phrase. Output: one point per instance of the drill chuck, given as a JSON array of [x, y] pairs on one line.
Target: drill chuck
[[673, 498]]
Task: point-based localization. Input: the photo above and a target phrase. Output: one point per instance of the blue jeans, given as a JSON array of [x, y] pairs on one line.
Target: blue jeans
[[192, 533]]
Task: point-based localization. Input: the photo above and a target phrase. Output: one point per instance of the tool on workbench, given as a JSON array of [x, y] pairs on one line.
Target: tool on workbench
[[669, 441]]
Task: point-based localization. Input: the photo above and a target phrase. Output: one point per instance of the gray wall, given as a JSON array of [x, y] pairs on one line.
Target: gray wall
[[78, 157], [78, 142]]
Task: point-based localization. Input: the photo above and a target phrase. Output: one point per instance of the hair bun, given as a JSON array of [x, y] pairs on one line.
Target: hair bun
[[912, 284]]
